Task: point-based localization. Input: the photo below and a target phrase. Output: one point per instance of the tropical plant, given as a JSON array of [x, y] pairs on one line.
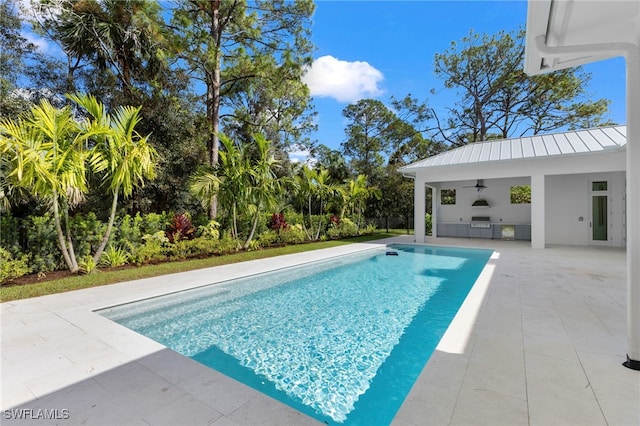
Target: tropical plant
[[122, 157], [50, 154], [114, 256], [180, 228], [241, 183], [211, 230], [47, 154], [264, 185], [278, 221], [314, 187], [250, 57], [87, 265], [356, 194], [12, 267], [122, 36]]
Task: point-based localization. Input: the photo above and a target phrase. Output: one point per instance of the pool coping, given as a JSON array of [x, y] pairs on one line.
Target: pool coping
[[58, 354]]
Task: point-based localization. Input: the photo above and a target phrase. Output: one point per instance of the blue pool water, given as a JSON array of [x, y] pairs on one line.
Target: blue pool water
[[341, 340]]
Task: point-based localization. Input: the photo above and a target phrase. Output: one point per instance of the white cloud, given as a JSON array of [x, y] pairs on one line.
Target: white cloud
[[301, 155], [41, 44], [342, 80], [29, 12]]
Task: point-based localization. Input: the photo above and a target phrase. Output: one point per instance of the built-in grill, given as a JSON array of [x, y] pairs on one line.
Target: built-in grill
[[480, 222]]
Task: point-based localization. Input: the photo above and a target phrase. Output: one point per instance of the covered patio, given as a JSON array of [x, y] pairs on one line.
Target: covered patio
[[560, 169], [567, 33]]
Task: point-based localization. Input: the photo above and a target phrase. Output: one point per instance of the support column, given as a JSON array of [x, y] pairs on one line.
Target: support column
[[419, 209], [633, 210], [434, 211], [537, 212]]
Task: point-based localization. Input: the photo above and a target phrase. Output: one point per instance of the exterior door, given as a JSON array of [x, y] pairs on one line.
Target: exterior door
[[599, 223]]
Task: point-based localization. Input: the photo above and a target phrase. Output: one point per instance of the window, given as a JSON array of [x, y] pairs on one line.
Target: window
[[599, 186], [447, 196], [521, 194]]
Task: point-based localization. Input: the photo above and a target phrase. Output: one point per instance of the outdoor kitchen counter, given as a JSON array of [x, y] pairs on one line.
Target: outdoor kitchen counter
[[520, 231]]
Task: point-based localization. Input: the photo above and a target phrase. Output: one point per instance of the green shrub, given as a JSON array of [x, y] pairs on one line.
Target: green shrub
[[293, 218], [87, 265], [342, 229], [369, 229], [151, 250], [202, 246], [268, 238], [179, 249], [42, 244], [226, 245], [254, 245], [12, 267], [114, 256], [87, 232], [154, 222], [211, 230], [293, 234], [129, 229], [10, 233], [428, 222]]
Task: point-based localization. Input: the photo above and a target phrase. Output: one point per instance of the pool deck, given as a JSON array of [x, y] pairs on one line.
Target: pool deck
[[539, 341]]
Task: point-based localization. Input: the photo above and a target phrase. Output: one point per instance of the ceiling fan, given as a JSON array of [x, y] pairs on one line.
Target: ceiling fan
[[479, 185]]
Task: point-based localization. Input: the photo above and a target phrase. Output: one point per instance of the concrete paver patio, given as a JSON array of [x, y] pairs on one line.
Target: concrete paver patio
[[539, 341]]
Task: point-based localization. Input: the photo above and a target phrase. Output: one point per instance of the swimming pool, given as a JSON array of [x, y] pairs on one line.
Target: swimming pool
[[341, 340]]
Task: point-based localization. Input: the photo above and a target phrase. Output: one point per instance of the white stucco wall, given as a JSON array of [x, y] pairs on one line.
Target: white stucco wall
[[568, 199], [566, 202], [497, 194]]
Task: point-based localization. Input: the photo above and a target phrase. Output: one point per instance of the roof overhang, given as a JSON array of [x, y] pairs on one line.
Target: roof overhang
[[598, 149], [568, 33]]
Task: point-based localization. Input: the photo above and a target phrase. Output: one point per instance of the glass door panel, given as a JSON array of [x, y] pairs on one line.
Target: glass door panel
[[599, 217]]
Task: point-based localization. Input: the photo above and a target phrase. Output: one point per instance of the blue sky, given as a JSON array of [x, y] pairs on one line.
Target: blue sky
[[375, 49]]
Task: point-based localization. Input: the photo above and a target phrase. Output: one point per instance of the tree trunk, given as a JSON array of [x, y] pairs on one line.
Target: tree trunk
[[319, 222], [253, 230], [213, 97], [107, 234], [61, 242], [72, 254]]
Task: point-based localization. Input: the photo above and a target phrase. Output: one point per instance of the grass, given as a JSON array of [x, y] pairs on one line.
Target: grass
[[111, 276]]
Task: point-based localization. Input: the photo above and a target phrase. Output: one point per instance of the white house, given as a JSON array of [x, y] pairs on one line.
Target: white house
[[577, 182], [562, 34], [567, 33]]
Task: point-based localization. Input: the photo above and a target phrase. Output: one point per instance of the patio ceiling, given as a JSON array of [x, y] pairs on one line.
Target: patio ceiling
[[596, 30]]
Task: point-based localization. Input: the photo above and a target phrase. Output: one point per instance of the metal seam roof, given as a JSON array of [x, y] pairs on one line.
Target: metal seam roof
[[539, 146]]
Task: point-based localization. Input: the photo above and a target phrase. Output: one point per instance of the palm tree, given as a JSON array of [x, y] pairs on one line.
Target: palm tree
[[233, 172], [47, 152], [122, 157], [356, 193], [264, 185], [323, 190], [240, 184], [314, 188], [305, 193], [122, 35]]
